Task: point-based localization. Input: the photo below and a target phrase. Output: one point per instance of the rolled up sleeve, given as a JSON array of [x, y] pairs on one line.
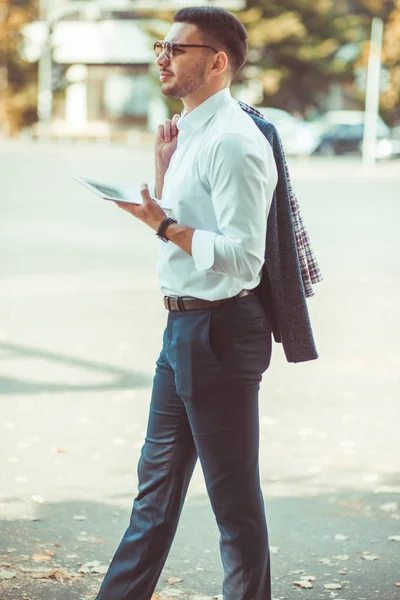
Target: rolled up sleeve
[[203, 244], [242, 178]]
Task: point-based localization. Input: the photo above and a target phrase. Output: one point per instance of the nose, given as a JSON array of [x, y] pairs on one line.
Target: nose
[[162, 59]]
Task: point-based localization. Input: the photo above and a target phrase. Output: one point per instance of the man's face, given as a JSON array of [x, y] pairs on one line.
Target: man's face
[[186, 72]]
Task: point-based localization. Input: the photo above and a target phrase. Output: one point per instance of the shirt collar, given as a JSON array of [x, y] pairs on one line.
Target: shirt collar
[[203, 113]]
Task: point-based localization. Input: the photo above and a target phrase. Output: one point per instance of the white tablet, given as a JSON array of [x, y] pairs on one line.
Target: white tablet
[[109, 190]]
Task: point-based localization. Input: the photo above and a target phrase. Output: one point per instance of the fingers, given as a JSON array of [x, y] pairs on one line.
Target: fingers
[[160, 132], [168, 129], [122, 205], [144, 191], [174, 127]]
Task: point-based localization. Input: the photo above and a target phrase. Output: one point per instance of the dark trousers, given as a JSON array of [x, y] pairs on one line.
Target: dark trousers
[[204, 404]]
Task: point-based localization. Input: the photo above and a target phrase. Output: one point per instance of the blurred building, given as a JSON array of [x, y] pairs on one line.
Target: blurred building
[[100, 54], [108, 81]]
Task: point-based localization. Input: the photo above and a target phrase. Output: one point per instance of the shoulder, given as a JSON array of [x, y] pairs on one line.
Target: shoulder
[[232, 131], [265, 127]]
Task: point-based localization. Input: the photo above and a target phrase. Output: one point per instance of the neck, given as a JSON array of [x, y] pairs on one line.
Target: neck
[[199, 96]]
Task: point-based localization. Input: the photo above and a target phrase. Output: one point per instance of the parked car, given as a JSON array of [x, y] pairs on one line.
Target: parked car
[[298, 137], [342, 132]]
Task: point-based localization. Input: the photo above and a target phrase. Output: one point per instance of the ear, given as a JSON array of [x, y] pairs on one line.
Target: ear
[[220, 64]]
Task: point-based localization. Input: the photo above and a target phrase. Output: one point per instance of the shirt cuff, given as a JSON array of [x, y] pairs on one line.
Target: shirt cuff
[[203, 243]]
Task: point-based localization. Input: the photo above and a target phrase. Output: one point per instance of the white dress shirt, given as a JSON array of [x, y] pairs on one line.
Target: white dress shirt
[[220, 182]]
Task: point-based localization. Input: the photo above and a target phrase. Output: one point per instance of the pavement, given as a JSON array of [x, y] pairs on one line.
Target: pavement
[[80, 329]]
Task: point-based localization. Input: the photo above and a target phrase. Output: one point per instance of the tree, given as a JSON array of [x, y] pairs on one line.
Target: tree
[[296, 43], [391, 53], [299, 47], [390, 13], [18, 79]]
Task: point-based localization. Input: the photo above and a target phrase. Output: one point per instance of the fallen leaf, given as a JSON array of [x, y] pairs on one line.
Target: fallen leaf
[[61, 451], [61, 575], [102, 570], [155, 597], [42, 557], [89, 539], [340, 537], [7, 574], [95, 566], [172, 580], [325, 561], [303, 584], [332, 586], [369, 556], [397, 584], [341, 556], [297, 572], [394, 538], [79, 518], [4, 564], [28, 570]]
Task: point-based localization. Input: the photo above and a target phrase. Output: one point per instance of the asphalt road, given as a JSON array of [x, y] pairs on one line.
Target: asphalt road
[[80, 329]]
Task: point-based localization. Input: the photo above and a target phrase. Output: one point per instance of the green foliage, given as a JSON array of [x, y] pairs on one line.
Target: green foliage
[[18, 91], [390, 13], [299, 45], [296, 43]]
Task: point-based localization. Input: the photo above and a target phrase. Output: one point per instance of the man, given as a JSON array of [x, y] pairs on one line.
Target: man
[[215, 178]]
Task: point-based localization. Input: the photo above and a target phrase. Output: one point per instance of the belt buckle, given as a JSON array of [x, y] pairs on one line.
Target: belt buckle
[[180, 307], [168, 302]]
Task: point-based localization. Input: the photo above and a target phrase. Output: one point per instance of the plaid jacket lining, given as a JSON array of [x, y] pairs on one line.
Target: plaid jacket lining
[[310, 271]]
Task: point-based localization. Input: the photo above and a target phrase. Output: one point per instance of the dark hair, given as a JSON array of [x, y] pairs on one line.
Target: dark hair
[[218, 28]]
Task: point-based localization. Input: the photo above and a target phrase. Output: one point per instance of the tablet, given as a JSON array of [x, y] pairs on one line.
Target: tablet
[[109, 190]]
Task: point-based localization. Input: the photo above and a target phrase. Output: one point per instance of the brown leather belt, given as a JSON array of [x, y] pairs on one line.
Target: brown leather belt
[[184, 304]]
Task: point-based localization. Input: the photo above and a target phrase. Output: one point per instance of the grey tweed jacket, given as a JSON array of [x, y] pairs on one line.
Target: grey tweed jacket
[[281, 289]]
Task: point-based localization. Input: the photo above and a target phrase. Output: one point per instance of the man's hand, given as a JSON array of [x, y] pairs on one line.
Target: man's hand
[[152, 214], [149, 212], [166, 141]]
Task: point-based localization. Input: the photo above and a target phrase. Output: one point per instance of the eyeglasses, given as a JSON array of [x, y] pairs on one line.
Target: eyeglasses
[[169, 47]]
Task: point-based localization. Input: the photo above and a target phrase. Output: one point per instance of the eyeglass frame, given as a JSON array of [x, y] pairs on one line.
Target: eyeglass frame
[[169, 53]]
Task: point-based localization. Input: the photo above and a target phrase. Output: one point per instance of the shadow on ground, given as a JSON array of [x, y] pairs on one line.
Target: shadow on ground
[[119, 378]]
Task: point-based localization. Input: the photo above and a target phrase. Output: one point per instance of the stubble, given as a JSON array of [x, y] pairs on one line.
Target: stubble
[[188, 83]]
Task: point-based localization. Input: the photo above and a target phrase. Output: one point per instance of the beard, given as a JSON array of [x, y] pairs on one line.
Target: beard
[[187, 84]]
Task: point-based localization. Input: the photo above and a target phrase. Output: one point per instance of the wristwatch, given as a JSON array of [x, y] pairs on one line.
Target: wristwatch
[[165, 223]]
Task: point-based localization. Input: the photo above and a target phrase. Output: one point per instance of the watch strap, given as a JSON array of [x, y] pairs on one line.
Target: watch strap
[[165, 223]]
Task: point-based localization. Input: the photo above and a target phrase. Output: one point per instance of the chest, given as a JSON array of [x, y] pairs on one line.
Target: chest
[[186, 186]]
